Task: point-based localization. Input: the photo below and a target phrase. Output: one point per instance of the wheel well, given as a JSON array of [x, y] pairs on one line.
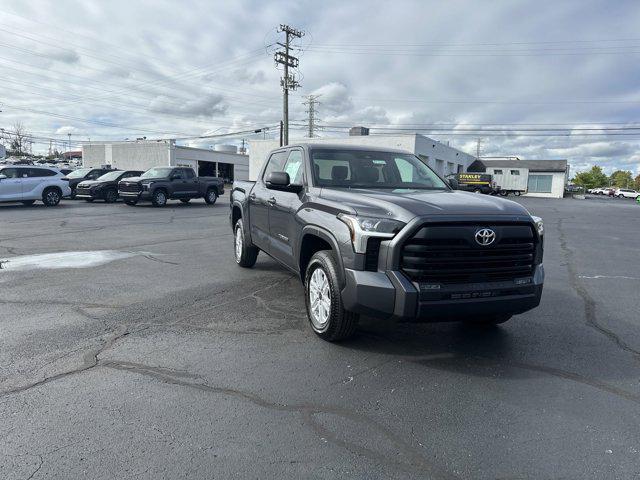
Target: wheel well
[[310, 245], [52, 187], [236, 213]]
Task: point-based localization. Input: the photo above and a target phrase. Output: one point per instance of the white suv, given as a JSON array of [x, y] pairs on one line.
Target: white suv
[[626, 192], [28, 183]]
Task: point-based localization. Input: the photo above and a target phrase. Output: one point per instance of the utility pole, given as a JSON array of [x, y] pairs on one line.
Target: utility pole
[[312, 101], [69, 146], [479, 144], [288, 82]]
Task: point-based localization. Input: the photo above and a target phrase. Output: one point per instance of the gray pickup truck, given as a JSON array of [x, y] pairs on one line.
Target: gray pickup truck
[[376, 232], [159, 184]]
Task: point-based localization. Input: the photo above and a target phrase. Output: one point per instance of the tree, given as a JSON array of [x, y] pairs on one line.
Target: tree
[[636, 182], [18, 138], [591, 178], [621, 178]]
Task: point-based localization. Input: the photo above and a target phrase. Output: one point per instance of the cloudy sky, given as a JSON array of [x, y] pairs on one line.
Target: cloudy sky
[[126, 69]]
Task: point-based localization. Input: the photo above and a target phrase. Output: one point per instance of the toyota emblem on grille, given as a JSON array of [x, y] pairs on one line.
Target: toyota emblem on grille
[[485, 236]]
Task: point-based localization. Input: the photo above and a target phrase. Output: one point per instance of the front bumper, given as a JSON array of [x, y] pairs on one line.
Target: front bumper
[[138, 196], [392, 295]]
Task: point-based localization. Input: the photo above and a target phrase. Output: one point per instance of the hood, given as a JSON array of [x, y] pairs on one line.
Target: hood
[[406, 204], [89, 183]]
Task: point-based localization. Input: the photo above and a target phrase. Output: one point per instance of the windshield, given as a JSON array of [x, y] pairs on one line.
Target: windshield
[[110, 176], [157, 172], [79, 173], [371, 169]]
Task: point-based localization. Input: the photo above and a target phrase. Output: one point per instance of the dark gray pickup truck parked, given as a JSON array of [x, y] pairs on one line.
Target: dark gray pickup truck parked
[[159, 184], [378, 233]]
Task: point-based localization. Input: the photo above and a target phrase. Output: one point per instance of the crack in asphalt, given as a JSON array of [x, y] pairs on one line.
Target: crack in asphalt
[[589, 302], [308, 412]]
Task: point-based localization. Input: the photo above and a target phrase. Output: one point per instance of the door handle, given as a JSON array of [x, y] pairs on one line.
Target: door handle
[[272, 201]]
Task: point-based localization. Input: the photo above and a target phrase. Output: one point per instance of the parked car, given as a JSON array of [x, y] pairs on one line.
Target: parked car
[[104, 187], [160, 184], [474, 182], [626, 192], [28, 184], [376, 232], [77, 176]]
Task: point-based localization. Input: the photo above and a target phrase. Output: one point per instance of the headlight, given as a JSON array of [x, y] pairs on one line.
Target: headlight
[[539, 224], [361, 228], [145, 186]]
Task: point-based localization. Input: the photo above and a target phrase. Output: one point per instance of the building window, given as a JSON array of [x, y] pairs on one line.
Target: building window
[[540, 183], [497, 172], [515, 172]]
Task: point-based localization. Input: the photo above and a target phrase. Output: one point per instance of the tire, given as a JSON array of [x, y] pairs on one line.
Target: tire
[[110, 196], [159, 198], [488, 321], [131, 203], [51, 196], [185, 200], [211, 196], [517, 193], [28, 202], [504, 194], [245, 255], [327, 316]]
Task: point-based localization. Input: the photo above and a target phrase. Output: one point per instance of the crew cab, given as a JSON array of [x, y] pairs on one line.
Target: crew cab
[[376, 232], [104, 187], [27, 184], [159, 184], [81, 174]]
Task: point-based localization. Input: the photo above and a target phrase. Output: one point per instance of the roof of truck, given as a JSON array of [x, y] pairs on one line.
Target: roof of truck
[[342, 146]]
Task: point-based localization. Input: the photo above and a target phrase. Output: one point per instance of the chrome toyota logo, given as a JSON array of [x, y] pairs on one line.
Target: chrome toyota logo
[[485, 236]]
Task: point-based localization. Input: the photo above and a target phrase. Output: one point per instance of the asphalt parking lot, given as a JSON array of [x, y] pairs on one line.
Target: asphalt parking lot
[[160, 358]]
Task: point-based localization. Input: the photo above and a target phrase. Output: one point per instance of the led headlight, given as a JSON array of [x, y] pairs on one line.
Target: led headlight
[[146, 186], [361, 228], [539, 224]]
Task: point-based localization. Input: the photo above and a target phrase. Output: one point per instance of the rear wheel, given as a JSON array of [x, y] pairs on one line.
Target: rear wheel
[[159, 198], [245, 254], [28, 202], [51, 196], [327, 316], [111, 195], [517, 193], [211, 196]]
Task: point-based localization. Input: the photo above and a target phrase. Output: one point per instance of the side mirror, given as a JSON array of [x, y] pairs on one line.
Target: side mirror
[[453, 183], [281, 181]]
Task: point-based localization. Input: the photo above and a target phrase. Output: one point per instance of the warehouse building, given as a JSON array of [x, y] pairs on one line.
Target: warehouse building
[[223, 161], [536, 178], [439, 156]]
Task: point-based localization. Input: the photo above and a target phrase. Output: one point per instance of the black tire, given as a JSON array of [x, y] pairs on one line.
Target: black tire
[[211, 196], [245, 254], [111, 195], [517, 193], [28, 202], [490, 321], [131, 203], [159, 198], [339, 324], [51, 196], [504, 194], [185, 200]]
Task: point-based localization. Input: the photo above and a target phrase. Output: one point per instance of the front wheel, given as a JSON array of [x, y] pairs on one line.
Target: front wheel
[[51, 196], [246, 255], [159, 198], [211, 197], [327, 316], [111, 195]]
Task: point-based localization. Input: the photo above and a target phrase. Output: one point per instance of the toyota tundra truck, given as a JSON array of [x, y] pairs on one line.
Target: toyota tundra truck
[[376, 232], [159, 184]]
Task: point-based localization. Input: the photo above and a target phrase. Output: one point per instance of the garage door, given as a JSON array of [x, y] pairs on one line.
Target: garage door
[[540, 183]]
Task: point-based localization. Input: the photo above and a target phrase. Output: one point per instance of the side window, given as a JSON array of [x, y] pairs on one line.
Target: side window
[[515, 172], [129, 174], [294, 167], [189, 173], [93, 174], [497, 172], [10, 172], [177, 174], [275, 163], [40, 172]]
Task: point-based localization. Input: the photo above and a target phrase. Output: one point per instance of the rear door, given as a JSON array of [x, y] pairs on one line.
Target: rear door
[[11, 187], [258, 202], [282, 212], [33, 182]]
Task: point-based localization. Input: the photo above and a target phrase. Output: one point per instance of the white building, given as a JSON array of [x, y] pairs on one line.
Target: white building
[[539, 178], [439, 156], [223, 161]]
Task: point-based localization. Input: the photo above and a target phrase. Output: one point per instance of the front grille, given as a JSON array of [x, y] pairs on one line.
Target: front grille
[[82, 190], [129, 187], [449, 254]]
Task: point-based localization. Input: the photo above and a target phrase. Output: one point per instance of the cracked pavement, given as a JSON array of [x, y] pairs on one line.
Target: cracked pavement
[[175, 363]]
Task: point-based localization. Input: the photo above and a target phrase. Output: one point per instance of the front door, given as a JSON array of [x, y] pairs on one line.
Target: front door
[[179, 185], [11, 187], [282, 213], [258, 201]]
